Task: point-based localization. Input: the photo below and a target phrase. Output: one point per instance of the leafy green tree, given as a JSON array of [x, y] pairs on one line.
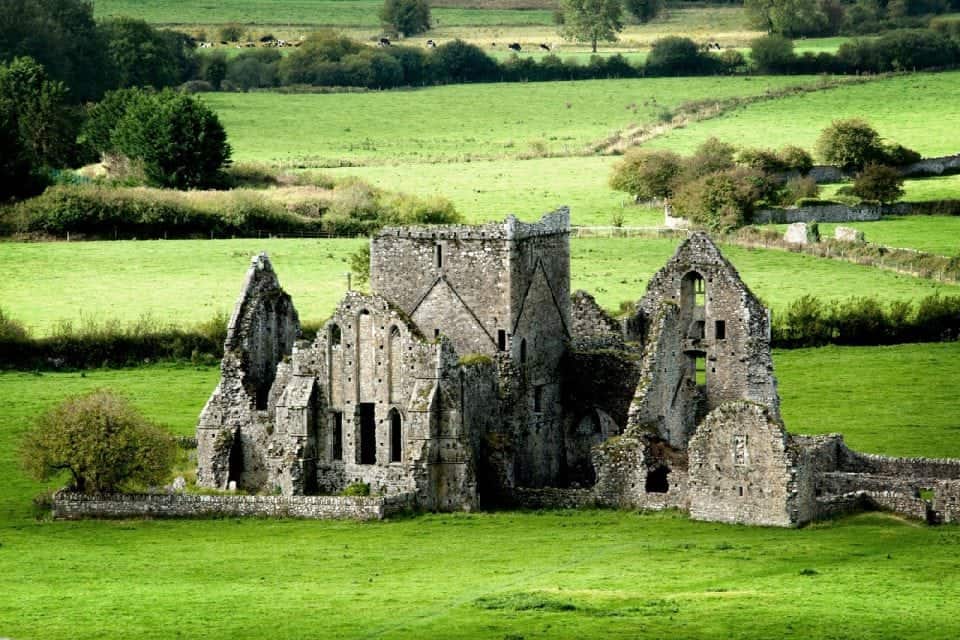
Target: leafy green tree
[[772, 54], [591, 21], [647, 174], [142, 56], [102, 117], [850, 143], [792, 18], [721, 200], [644, 10], [459, 61], [878, 182], [675, 55], [795, 158], [38, 128], [711, 156], [405, 17], [62, 36], [102, 440], [214, 68], [179, 140]]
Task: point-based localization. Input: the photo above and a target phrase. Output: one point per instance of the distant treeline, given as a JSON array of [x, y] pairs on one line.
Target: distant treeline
[[810, 322], [326, 59], [806, 322]]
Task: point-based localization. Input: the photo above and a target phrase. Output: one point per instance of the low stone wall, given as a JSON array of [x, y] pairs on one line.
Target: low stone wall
[[932, 166], [818, 213], [858, 501], [553, 498], [75, 506], [907, 468]]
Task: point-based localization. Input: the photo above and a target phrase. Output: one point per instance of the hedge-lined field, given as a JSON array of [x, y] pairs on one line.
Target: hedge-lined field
[[187, 281], [916, 110], [459, 122], [587, 574]]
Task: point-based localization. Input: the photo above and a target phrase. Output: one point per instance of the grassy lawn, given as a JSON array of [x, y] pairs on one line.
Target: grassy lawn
[[457, 122], [934, 234], [901, 108], [486, 190], [187, 281], [587, 574]]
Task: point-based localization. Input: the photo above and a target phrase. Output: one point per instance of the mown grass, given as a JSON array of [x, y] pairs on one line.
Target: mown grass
[[933, 234], [187, 281], [918, 189], [915, 110], [457, 122], [586, 574]]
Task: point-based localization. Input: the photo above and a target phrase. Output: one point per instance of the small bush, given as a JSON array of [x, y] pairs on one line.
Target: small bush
[[711, 156], [356, 489], [405, 17], [850, 144], [722, 200], [232, 32], [102, 440], [795, 159], [800, 187], [878, 182], [772, 54], [647, 174], [676, 56]]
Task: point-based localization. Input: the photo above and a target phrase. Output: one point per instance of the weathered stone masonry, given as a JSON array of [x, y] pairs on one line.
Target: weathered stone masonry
[[470, 376]]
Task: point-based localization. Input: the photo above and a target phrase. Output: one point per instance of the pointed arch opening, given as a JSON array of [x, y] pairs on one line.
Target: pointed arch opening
[[396, 436]]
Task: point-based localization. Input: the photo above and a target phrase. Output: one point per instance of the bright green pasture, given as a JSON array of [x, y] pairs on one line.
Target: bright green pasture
[[303, 13], [186, 281], [933, 234], [916, 189], [457, 122], [587, 574], [489, 189], [921, 111], [899, 400]]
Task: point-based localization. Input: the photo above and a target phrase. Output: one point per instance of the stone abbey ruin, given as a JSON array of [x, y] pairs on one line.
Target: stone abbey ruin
[[470, 377]]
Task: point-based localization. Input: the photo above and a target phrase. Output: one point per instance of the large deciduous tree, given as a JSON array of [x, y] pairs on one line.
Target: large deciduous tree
[[177, 138], [405, 17], [102, 440], [591, 21]]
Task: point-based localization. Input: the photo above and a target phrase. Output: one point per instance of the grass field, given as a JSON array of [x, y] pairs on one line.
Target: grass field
[[933, 234], [497, 575], [919, 189], [188, 281], [915, 110], [457, 122]]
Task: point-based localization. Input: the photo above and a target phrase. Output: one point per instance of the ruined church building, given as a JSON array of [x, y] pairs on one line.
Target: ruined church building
[[470, 377]]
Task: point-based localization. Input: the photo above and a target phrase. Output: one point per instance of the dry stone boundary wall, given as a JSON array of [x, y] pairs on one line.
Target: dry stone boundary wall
[[75, 506]]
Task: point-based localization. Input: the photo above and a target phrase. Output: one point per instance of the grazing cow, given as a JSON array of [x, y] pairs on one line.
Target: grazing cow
[[384, 42], [514, 45], [266, 39], [545, 47], [431, 44], [224, 42]]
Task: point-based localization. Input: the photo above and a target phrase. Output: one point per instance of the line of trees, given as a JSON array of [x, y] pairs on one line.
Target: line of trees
[[719, 186], [801, 18]]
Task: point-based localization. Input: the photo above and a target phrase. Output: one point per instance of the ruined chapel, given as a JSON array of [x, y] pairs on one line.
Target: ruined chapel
[[470, 376]]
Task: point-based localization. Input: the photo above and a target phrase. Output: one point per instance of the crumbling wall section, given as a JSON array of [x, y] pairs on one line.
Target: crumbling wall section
[[591, 327], [741, 468], [232, 426], [640, 471]]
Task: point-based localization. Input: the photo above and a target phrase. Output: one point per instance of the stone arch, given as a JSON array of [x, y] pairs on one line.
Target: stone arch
[[396, 435], [693, 305], [394, 363]]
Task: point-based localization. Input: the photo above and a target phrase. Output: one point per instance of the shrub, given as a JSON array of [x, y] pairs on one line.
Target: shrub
[[644, 10], [676, 56], [179, 140], [231, 32], [878, 182], [766, 160], [360, 264], [772, 54], [850, 144], [795, 159], [459, 61], [12, 330], [800, 187], [356, 489], [405, 17], [722, 200], [711, 156], [102, 117], [898, 155], [647, 174], [102, 440], [142, 55]]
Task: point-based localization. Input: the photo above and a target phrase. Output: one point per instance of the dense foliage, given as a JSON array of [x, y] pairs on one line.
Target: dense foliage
[[878, 182], [38, 128], [405, 17], [101, 440], [800, 18], [591, 21], [852, 144]]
